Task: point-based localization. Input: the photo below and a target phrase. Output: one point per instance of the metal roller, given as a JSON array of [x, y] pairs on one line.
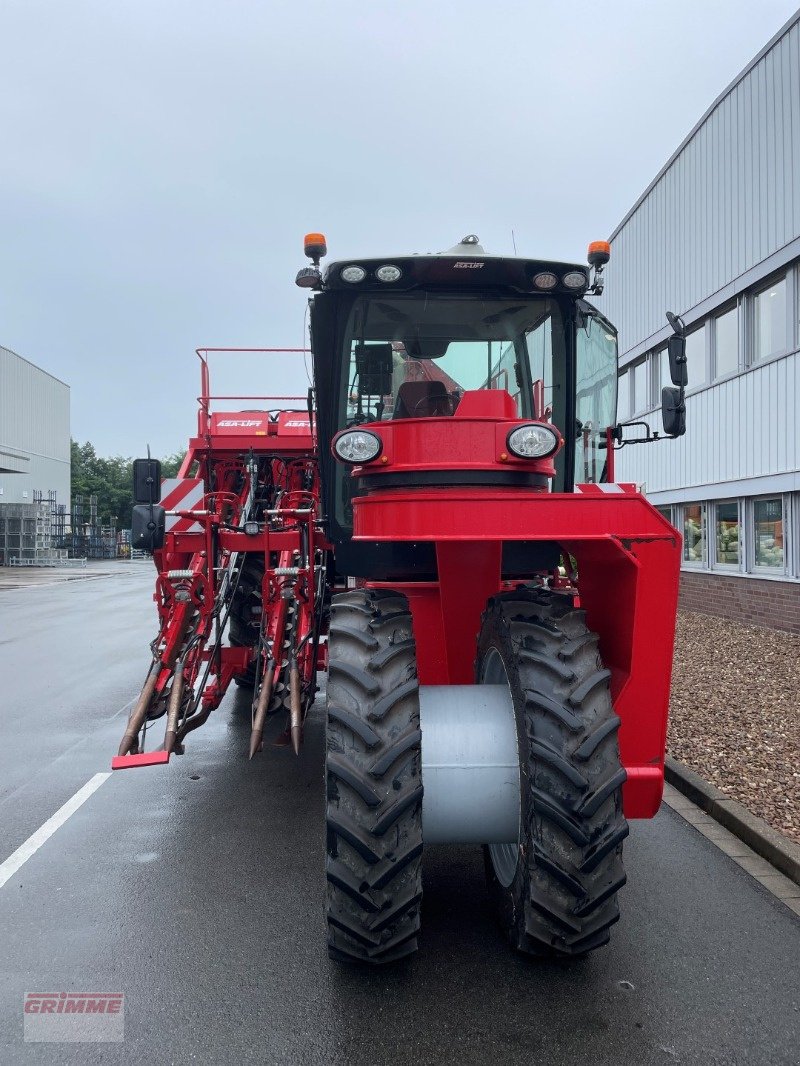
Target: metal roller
[[470, 765]]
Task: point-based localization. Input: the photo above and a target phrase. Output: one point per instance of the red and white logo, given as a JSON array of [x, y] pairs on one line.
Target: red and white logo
[[239, 423], [53, 1017]]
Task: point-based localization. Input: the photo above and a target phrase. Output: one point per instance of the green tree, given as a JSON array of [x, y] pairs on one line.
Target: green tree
[[111, 480]]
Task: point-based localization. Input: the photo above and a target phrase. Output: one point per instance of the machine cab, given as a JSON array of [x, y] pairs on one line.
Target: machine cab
[[407, 338]]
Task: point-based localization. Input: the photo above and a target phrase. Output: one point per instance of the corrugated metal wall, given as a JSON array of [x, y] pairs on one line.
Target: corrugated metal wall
[[34, 422], [743, 428], [728, 200]]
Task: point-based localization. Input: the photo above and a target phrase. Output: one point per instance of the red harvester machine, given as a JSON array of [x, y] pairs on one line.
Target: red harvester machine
[[439, 528]]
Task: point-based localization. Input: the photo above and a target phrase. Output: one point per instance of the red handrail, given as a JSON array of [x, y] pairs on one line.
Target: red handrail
[[205, 396]]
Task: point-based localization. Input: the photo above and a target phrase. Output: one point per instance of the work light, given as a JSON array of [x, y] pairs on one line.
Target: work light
[[357, 446], [533, 441], [545, 280], [353, 274], [575, 279], [389, 272]]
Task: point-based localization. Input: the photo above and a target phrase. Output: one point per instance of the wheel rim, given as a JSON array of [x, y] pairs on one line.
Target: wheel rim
[[505, 857]]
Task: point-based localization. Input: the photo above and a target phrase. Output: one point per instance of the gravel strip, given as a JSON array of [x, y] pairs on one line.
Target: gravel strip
[[735, 713]]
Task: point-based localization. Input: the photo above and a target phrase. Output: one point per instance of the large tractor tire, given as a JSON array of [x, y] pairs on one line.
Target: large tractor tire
[[555, 890], [374, 779]]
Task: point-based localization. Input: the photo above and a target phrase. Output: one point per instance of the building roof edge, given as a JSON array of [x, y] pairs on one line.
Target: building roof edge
[[35, 366], [795, 18]]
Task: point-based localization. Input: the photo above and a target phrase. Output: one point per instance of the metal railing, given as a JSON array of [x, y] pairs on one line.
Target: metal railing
[[206, 396]]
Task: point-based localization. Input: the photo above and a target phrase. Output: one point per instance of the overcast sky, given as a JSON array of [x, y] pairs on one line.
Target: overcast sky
[[162, 159]]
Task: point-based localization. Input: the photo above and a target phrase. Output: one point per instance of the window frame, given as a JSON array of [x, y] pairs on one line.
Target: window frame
[[734, 305], [694, 564], [637, 411], [714, 562], [661, 508], [695, 328], [623, 416], [655, 374], [792, 509], [788, 276], [784, 571]]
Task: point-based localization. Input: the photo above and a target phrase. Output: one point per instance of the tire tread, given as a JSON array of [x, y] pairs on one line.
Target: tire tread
[[374, 779], [574, 824]]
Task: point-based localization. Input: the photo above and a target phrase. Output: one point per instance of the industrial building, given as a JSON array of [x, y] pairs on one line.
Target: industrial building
[[716, 238], [34, 459]]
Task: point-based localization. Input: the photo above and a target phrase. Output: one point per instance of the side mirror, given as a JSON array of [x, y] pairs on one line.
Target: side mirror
[[676, 352], [147, 527], [146, 480], [673, 412]]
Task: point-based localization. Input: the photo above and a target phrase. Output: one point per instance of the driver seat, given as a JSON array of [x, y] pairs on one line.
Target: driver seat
[[422, 399]]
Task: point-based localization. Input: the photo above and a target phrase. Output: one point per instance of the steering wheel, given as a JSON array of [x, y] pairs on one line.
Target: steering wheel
[[438, 401]]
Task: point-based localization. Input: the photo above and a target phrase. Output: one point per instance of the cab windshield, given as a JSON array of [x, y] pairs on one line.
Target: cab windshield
[[414, 356]]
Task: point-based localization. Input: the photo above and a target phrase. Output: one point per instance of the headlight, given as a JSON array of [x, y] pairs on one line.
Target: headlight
[[357, 446], [353, 274], [545, 280], [388, 273], [534, 441], [576, 279]]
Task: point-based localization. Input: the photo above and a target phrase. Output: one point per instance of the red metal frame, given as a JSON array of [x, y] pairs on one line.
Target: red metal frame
[[627, 557], [273, 451], [628, 563]]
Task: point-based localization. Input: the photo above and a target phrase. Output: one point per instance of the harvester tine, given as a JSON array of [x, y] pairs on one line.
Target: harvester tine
[[173, 709], [130, 741], [264, 696], [295, 707]]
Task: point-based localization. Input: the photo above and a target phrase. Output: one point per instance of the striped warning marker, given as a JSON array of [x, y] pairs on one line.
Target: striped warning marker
[[182, 494], [592, 489]]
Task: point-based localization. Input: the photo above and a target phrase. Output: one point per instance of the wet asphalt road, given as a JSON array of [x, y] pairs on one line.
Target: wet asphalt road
[[197, 891]]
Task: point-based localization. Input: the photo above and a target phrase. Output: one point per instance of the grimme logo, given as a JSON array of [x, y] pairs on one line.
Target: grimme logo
[[74, 1016]]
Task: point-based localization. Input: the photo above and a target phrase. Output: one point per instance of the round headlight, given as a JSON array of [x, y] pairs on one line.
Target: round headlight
[[357, 446], [576, 279], [388, 273], [533, 441], [545, 280], [353, 274]]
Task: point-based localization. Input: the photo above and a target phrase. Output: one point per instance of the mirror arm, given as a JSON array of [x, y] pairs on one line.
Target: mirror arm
[[620, 442]]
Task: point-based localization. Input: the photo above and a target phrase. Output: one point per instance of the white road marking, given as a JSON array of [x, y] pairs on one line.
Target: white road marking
[[65, 753], [44, 832]]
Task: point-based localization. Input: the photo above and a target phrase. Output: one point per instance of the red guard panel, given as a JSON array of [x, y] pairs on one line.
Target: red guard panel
[[628, 583], [294, 424]]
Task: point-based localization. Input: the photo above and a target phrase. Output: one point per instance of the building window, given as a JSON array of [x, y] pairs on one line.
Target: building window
[[769, 307], [694, 533], [638, 374], [726, 343], [727, 533], [623, 397], [768, 542], [666, 512], [695, 358], [661, 373]]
